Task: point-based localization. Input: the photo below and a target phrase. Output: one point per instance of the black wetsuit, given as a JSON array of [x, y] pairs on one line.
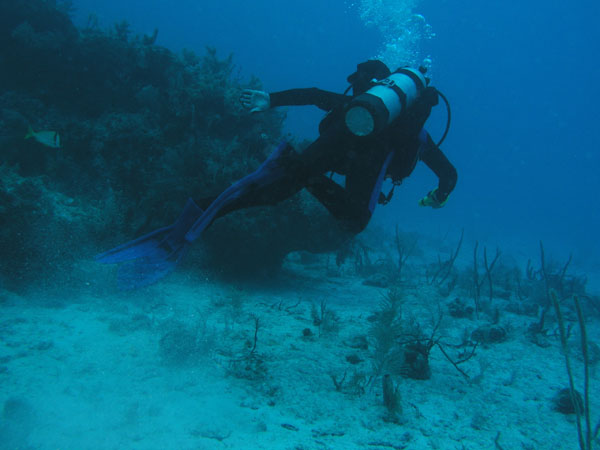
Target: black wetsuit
[[359, 159]]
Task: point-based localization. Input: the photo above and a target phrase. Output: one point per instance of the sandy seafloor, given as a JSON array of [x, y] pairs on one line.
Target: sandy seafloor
[[87, 372]]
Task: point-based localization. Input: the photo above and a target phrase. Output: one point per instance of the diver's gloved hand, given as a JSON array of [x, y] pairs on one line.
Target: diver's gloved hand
[[255, 101], [432, 199]]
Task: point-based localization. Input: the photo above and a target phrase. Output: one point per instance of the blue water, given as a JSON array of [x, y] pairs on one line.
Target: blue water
[[521, 78], [174, 365], [523, 83]]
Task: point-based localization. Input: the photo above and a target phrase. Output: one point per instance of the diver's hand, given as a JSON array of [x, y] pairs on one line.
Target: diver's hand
[[431, 199], [255, 101]]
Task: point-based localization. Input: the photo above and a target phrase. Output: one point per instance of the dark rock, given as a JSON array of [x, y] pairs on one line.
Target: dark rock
[[359, 342], [540, 340], [307, 332], [44, 345], [416, 362], [17, 423], [17, 409], [565, 405], [593, 354], [354, 359], [489, 334], [458, 308]]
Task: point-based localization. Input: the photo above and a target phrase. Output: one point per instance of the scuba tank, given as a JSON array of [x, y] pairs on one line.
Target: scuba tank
[[372, 111]]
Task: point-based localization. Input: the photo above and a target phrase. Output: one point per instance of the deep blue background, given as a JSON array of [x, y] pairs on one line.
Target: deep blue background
[[522, 80]]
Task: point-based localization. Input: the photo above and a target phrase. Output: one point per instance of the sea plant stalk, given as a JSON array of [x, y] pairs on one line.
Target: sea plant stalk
[[563, 341], [586, 368]]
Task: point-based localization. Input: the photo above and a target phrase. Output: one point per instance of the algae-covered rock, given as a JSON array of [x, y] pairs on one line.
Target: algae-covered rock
[[141, 130]]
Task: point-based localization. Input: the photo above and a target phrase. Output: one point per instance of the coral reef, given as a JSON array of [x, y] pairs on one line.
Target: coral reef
[[142, 129]]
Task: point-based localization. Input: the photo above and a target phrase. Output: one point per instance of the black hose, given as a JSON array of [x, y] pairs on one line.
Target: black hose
[[449, 117]]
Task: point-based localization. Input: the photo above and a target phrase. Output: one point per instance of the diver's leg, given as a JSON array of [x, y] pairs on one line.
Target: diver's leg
[[354, 204], [297, 171], [331, 195], [282, 175]]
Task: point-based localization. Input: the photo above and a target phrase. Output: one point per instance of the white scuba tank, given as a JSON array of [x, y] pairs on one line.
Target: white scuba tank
[[372, 111]]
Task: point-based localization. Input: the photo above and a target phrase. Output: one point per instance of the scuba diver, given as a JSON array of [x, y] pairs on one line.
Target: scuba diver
[[373, 134]]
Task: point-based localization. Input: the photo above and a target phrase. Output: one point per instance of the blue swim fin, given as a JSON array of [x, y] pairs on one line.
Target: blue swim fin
[[268, 172], [148, 270], [153, 255]]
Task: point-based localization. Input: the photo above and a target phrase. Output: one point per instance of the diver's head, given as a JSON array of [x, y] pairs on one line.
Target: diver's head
[[360, 80]]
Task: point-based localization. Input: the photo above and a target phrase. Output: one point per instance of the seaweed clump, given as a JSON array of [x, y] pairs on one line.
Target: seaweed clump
[[142, 129]]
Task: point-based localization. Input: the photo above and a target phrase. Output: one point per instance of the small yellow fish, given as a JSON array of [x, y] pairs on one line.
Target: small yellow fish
[[49, 138]]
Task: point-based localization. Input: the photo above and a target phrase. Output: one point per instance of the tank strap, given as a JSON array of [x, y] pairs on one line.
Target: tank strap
[[385, 199], [375, 194], [394, 87], [413, 76]]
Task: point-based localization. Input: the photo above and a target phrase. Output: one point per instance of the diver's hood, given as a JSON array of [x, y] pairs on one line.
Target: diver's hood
[[365, 73]]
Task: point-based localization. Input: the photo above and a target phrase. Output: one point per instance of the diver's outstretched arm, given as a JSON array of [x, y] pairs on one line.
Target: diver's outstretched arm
[[258, 101]]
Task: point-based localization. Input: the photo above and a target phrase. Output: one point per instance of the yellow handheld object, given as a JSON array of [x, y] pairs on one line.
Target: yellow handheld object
[[431, 199]]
